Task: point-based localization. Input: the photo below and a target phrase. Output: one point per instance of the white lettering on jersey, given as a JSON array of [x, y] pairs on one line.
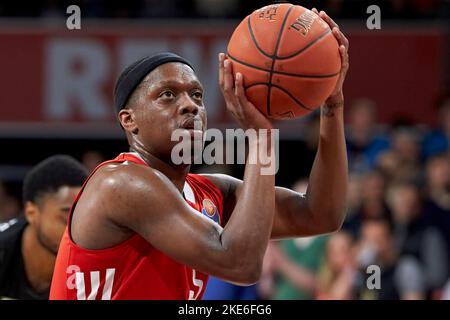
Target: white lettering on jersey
[[198, 283], [95, 284]]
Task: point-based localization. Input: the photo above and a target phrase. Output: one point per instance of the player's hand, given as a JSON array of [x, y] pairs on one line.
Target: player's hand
[[337, 94], [246, 114]]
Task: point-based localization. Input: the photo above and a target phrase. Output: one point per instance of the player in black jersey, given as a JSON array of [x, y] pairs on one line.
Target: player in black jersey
[[28, 244]]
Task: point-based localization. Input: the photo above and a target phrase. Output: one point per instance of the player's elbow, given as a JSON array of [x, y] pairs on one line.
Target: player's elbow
[[331, 221], [248, 275], [244, 272], [334, 226], [253, 275]]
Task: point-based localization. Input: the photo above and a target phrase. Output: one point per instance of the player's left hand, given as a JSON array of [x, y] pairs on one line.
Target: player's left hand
[[246, 114], [337, 94]]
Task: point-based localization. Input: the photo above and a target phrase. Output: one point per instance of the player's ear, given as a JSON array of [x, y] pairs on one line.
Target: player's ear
[[31, 211], [127, 120]]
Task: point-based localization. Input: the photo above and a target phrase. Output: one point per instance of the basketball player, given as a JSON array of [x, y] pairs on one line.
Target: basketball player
[[28, 245], [144, 228]]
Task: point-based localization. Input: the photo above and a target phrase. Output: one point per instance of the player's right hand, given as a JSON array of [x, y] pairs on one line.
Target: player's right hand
[[246, 114], [337, 96]]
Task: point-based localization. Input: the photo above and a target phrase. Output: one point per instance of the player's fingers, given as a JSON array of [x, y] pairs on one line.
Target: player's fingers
[[228, 81], [221, 71], [315, 11], [228, 87], [346, 42], [327, 19], [245, 109], [343, 39], [240, 91], [340, 37], [344, 58]]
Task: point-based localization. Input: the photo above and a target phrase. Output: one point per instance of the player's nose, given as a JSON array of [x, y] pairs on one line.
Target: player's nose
[[187, 105]]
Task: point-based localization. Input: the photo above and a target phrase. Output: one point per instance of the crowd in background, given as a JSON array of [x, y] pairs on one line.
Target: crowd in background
[[348, 9], [398, 216], [398, 219]]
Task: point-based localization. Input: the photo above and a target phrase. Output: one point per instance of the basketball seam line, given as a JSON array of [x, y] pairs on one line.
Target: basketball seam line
[[269, 90], [284, 90], [298, 75], [250, 29], [307, 46]]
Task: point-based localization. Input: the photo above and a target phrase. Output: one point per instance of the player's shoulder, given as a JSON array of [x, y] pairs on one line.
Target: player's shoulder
[[10, 240], [129, 182], [121, 174], [11, 230]]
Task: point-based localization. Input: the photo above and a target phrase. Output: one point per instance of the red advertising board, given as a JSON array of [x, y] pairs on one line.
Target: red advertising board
[[59, 82]]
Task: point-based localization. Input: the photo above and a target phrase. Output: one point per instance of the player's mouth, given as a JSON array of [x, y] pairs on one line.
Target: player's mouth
[[194, 125]]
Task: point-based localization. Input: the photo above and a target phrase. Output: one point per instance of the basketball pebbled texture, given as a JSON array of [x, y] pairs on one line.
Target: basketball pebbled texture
[[289, 59]]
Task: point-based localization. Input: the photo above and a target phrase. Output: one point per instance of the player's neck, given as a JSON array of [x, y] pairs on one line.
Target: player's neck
[[38, 261], [175, 173]]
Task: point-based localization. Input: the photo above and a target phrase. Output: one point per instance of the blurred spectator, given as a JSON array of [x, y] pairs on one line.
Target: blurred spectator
[[336, 279], [291, 266], [372, 202], [354, 196], [295, 264], [406, 147], [400, 277], [416, 238], [91, 159], [364, 140], [9, 206], [29, 244], [389, 163], [437, 205], [437, 141], [438, 180]]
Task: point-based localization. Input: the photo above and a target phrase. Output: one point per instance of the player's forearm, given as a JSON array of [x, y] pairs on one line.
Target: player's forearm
[[327, 188], [247, 233]]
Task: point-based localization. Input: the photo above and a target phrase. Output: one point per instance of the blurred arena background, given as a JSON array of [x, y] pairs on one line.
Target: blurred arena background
[[56, 98]]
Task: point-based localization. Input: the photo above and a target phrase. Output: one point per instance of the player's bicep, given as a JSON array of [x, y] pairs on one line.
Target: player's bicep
[[292, 217], [155, 209]]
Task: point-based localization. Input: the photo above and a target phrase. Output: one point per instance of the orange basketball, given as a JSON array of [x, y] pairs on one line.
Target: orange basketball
[[289, 59]]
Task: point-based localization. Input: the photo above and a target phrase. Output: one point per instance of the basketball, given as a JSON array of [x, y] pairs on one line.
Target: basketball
[[288, 57]]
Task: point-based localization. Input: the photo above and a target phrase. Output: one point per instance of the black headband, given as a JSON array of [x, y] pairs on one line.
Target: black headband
[[130, 78]]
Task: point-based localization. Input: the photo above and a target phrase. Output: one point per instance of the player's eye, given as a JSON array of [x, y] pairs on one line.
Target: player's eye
[[197, 95], [167, 94]]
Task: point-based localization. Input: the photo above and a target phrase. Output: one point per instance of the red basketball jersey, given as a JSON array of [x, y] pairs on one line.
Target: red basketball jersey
[[133, 269]]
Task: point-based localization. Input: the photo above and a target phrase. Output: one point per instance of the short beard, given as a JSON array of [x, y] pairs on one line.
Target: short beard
[[46, 243]]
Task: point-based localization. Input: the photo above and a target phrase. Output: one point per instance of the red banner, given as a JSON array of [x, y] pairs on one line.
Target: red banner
[[59, 82]]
